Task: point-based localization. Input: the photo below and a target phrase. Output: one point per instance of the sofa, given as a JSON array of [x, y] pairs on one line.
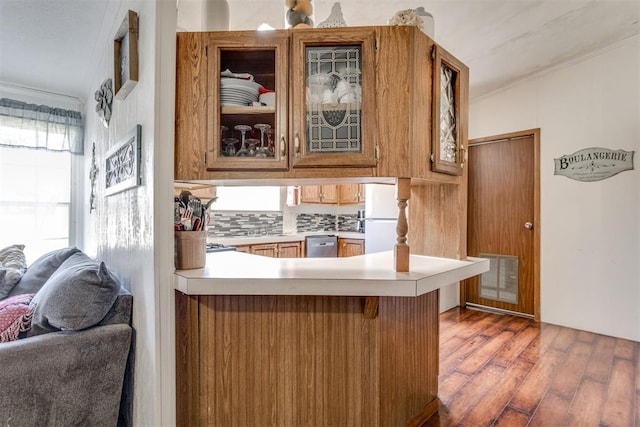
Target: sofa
[[71, 366]]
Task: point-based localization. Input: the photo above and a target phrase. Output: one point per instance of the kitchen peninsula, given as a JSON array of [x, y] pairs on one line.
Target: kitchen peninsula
[[310, 341], [328, 341]]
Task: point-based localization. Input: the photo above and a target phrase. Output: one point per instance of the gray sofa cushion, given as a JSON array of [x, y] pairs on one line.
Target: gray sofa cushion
[[77, 296], [41, 269], [14, 264]]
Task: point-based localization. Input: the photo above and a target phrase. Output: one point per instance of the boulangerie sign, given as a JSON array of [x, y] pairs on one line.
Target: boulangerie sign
[[594, 164]]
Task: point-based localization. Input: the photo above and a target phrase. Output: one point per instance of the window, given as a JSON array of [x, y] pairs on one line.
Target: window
[[247, 199], [36, 146]]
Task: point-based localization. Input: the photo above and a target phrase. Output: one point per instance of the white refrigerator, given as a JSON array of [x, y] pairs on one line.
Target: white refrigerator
[[381, 218]]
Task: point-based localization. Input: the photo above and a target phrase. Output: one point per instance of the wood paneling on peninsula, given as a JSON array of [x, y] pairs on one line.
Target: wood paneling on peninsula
[[305, 360]]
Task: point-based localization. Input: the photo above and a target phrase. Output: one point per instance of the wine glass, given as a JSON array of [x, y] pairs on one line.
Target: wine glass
[[243, 147], [262, 152], [252, 143], [271, 145], [230, 146]]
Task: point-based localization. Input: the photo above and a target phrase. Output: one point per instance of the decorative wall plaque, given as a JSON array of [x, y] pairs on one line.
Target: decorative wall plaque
[[122, 165], [125, 56], [93, 174], [594, 164]]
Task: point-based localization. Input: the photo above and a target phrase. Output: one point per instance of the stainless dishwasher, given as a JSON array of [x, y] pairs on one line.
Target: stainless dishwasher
[[321, 246]]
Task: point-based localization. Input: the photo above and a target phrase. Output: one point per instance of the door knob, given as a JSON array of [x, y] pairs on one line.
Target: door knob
[[528, 225]]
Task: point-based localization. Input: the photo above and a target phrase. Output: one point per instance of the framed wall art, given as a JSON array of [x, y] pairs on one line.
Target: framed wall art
[[125, 56], [122, 163]]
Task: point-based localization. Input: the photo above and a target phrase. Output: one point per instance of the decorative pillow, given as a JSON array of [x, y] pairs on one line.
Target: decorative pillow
[[41, 269], [14, 264], [77, 296], [15, 316]]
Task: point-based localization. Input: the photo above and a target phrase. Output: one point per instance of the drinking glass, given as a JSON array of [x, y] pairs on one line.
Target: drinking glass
[[243, 147], [230, 146]]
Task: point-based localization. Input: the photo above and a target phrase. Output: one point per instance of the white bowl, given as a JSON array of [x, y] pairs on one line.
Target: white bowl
[[268, 98]]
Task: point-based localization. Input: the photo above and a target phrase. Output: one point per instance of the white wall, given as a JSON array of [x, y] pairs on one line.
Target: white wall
[[131, 231], [590, 231]]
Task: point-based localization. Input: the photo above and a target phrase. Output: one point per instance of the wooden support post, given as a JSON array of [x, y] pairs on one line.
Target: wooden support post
[[371, 307], [401, 250]]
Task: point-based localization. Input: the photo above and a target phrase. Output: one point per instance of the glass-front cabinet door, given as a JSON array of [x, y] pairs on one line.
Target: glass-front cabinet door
[[333, 99], [450, 91], [247, 101]]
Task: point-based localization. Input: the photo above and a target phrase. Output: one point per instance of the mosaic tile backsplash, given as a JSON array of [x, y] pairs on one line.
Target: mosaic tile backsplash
[[263, 224]]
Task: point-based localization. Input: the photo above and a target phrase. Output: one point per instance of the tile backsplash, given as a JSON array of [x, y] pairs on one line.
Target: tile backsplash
[[229, 224]]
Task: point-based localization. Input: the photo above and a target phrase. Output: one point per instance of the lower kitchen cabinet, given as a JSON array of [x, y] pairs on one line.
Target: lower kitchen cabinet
[[279, 250], [350, 247], [243, 248]]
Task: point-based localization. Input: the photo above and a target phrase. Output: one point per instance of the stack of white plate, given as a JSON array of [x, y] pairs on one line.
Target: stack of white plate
[[238, 91]]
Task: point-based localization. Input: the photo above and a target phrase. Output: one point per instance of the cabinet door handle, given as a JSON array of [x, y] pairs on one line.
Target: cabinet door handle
[[296, 144], [463, 155], [283, 146]]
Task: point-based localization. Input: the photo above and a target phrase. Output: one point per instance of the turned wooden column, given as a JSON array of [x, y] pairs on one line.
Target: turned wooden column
[[401, 249]]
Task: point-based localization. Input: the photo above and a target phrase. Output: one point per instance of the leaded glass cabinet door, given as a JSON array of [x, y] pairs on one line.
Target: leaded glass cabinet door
[[450, 111], [333, 97]]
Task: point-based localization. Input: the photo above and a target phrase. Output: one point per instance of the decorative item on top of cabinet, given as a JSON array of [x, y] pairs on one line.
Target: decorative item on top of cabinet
[[450, 93], [350, 247]]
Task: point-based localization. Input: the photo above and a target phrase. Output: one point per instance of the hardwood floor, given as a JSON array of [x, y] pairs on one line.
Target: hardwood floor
[[502, 370]]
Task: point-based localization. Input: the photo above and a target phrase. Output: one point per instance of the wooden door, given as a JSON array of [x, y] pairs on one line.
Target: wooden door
[[333, 100], [230, 124], [349, 193], [329, 194], [350, 247], [289, 250], [268, 249], [503, 223], [310, 194]]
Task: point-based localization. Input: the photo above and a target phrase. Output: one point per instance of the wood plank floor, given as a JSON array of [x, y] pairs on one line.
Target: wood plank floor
[[503, 370]]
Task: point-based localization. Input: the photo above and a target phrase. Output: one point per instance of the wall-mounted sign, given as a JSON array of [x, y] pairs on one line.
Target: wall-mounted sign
[[594, 164]]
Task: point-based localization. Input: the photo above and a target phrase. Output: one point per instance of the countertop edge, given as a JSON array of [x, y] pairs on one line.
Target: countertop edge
[[304, 280]]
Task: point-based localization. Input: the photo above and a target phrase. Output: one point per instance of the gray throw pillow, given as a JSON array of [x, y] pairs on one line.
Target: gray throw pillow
[[14, 264], [41, 269], [77, 296]]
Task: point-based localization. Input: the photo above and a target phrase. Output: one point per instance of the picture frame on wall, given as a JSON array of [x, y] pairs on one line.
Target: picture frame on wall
[[125, 55], [122, 163]]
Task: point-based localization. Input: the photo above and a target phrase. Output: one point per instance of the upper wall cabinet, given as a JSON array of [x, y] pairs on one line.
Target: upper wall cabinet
[[450, 87], [362, 102]]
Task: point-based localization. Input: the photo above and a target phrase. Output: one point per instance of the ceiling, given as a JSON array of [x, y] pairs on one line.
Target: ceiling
[[48, 44]]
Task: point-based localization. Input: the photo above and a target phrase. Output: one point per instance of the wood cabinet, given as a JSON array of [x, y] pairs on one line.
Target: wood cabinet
[[388, 130], [323, 115], [284, 360], [279, 250], [350, 247], [332, 194], [450, 80], [243, 248]]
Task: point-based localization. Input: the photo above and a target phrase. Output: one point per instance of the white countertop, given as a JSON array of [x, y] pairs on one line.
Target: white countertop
[[238, 273], [256, 240]]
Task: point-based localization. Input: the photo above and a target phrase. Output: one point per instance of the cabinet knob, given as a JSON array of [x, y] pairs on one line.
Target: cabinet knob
[[283, 146], [296, 144], [528, 225]]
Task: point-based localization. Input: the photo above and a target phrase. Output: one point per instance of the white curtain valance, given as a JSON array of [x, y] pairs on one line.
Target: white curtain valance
[[40, 127]]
